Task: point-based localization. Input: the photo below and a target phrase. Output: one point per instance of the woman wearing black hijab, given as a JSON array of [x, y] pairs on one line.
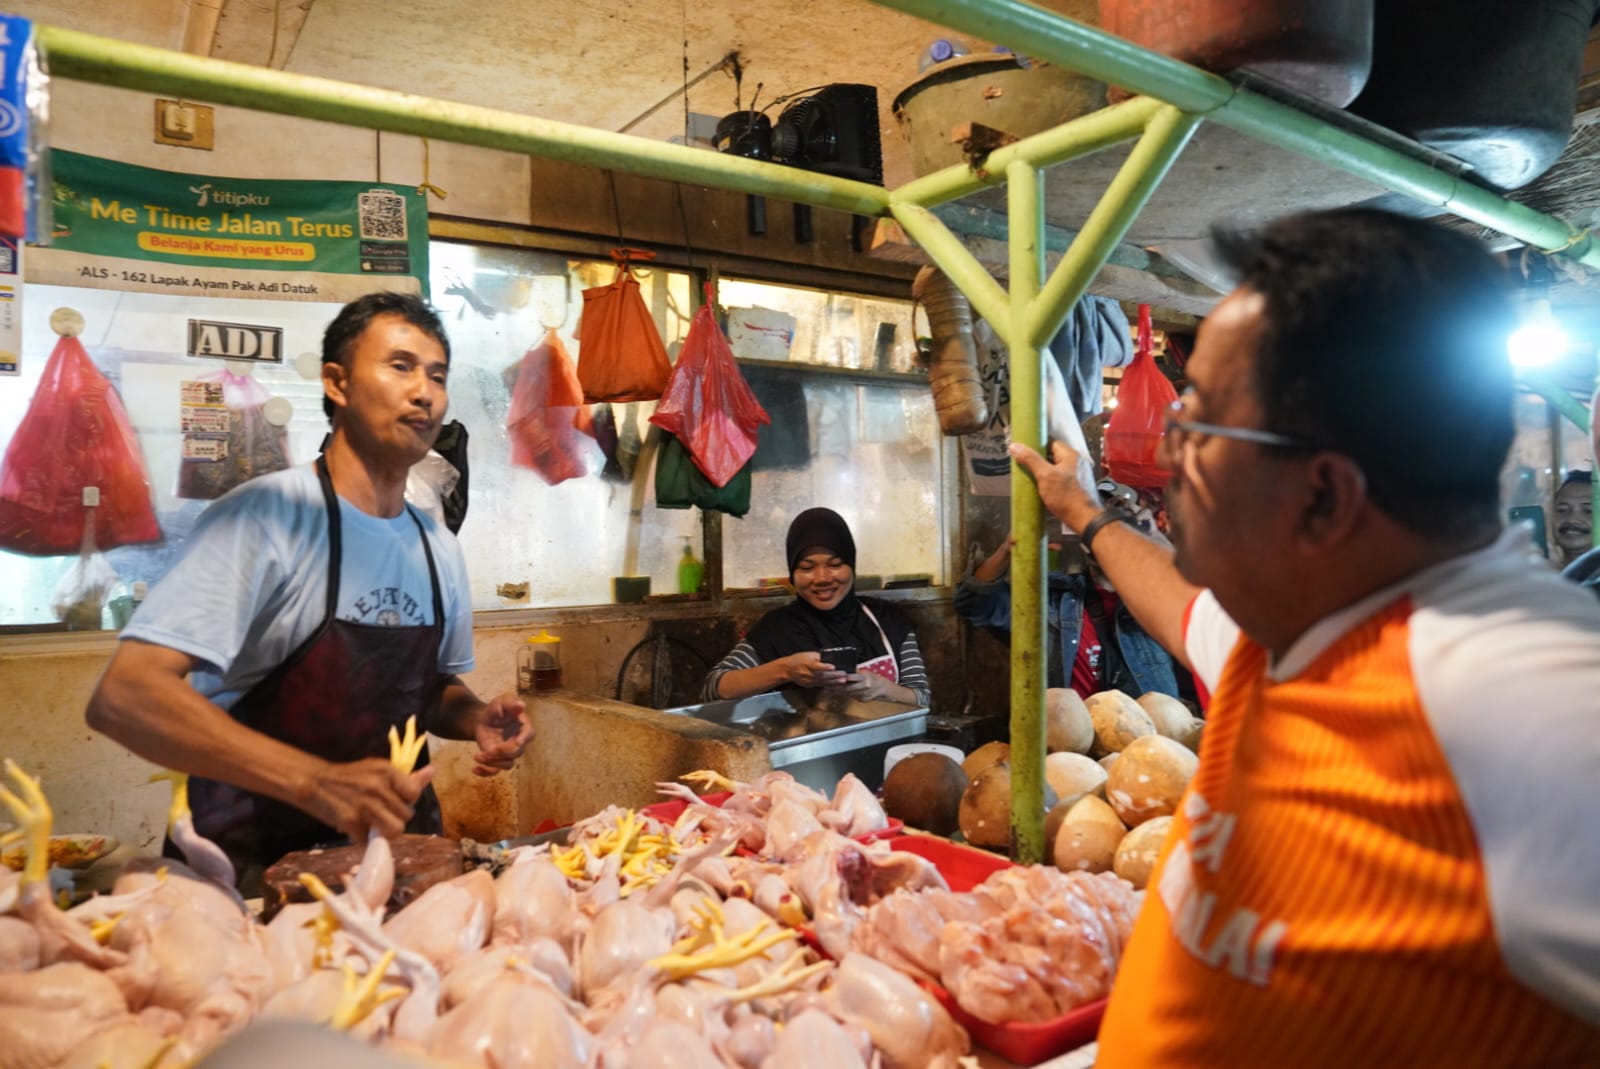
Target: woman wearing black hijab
[[784, 647]]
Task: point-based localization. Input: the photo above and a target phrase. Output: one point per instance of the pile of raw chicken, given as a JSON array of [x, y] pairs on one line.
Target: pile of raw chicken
[[640, 944]]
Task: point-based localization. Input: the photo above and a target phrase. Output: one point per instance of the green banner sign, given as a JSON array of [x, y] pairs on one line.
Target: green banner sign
[[118, 226]]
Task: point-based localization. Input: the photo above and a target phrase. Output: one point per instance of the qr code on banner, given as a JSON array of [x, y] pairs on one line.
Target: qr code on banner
[[383, 216]]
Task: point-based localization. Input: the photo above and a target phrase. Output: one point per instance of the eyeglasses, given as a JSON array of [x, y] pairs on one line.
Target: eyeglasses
[[1176, 431]]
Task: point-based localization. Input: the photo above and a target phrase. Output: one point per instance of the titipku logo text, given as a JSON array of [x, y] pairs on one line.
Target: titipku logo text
[[206, 194]]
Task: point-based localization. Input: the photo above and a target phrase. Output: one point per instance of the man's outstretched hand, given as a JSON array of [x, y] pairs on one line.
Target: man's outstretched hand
[[1066, 482], [502, 734]]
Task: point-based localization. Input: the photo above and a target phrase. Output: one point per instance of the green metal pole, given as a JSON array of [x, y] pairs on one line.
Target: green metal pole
[[1169, 131], [1026, 209], [99, 59], [955, 260], [1057, 39], [1082, 136]]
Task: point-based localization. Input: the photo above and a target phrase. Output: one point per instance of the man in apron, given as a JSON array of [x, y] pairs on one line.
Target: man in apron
[[310, 611]]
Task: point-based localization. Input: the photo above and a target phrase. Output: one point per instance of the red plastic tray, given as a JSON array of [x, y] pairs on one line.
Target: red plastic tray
[[1024, 1043], [669, 811]]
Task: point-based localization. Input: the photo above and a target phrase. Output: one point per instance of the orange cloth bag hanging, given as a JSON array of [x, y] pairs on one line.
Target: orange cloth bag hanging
[[622, 358], [1133, 434], [551, 429], [708, 405]]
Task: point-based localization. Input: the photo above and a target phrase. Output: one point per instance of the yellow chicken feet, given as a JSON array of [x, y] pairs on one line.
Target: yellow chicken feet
[[361, 995], [403, 752], [706, 779], [784, 978], [205, 857], [708, 948], [60, 936], [34, 821]]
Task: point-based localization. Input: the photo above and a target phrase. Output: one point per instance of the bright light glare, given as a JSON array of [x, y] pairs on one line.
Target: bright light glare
[[1536, 345], [1540, 340]]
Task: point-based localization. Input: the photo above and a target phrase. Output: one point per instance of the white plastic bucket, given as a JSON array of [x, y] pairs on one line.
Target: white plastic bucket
[[896, 754]]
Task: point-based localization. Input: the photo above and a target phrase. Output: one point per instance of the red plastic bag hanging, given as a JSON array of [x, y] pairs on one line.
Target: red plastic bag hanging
[[1133, 434], [551, 429], [74, 434], [708, 405], [622, 358]]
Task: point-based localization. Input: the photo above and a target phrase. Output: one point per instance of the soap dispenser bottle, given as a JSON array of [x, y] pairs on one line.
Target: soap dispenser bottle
[[691, 571]]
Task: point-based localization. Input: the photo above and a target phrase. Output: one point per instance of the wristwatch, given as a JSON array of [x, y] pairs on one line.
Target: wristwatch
[[1105, 516]]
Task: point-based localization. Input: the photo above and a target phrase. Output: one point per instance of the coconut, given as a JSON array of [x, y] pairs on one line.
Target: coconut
[[1136, 854], [924, 790], [1088, 837], [1072, 775], [1118, 720], [1068, 726], [984, 756], [985, 813], [1172, 718], [1149, 779]]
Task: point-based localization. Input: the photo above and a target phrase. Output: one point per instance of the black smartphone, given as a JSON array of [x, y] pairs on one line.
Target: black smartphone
[[1533, 515]]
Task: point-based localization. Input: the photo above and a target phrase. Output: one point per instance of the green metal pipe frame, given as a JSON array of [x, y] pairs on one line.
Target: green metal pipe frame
[[1057, 39], [1175, 98]]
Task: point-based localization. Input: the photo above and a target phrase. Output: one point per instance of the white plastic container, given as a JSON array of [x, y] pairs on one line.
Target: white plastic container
[[896, 754]]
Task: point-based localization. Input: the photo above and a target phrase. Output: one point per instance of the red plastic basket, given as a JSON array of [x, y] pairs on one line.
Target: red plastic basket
[[1023, 1043]]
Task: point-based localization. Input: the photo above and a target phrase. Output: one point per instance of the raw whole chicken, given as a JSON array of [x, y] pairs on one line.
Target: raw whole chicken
[[512, 1024], [449, 920], [906, 1024], [813, 1038], [47, 1012], [622, 938]]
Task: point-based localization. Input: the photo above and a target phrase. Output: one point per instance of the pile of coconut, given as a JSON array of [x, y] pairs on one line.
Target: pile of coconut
[[1115, 771]]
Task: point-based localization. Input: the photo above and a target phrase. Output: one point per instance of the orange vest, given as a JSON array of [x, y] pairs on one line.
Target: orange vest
[[1321, 900]]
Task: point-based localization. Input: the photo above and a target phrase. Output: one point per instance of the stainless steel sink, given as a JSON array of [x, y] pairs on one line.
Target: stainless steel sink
[[818, 737]]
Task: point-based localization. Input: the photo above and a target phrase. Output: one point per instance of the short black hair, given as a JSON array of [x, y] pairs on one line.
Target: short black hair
[[1385, 340], [1576, 476], [355, 317]]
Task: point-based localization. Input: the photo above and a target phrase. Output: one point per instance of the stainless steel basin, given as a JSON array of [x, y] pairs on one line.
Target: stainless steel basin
[[817, 739]]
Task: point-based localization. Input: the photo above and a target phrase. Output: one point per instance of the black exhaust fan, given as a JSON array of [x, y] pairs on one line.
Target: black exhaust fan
[[833, 131]]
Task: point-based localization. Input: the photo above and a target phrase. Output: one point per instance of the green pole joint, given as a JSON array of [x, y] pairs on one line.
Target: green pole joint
[[1169, 131], [955, 260]]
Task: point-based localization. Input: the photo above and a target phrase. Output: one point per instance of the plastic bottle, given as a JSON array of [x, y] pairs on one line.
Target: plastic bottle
[[691, 572], [539, 663], [120, 603], [939, 50]]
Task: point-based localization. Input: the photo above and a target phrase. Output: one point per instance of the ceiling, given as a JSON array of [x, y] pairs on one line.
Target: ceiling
[[605, 63]]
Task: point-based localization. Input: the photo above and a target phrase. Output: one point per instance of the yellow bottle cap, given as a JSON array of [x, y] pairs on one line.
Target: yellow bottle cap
[[544, 638]]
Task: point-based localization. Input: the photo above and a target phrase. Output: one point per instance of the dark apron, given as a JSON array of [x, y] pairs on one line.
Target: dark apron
[[335, 698]]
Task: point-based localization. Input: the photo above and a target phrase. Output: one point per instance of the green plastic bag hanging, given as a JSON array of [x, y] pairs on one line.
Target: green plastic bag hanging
[[680, 484]]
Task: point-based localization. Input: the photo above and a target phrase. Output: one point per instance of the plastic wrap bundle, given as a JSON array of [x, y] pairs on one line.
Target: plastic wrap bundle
[[227, 437]]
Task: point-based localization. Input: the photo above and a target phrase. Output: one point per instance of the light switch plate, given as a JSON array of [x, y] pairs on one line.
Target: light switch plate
[[187, 125]]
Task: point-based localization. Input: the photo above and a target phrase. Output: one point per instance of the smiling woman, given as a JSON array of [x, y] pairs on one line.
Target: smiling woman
[[787, 647]]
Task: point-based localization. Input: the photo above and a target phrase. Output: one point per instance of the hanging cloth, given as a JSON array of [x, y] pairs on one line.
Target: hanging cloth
[[621, 357], [708, 405], [75, 434]]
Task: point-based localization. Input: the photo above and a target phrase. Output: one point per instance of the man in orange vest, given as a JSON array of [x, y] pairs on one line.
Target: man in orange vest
[[1387, 855]]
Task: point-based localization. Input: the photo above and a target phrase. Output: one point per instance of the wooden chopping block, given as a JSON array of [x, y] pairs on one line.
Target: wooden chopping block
[[420, 861]]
